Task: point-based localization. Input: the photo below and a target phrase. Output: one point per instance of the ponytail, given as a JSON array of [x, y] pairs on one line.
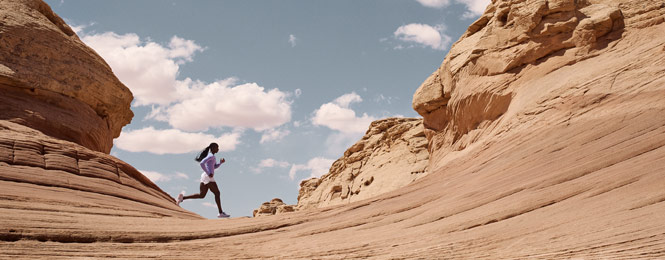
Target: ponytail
[[205, 151]]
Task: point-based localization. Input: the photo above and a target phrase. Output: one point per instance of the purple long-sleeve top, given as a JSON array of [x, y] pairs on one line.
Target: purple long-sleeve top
[[209, 164]]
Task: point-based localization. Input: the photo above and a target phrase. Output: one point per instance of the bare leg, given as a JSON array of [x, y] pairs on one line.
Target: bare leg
[[203, 189], [215, 190]]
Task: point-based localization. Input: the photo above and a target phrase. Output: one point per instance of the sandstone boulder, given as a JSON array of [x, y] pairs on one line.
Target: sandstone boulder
[[272, 207], [54, 83]]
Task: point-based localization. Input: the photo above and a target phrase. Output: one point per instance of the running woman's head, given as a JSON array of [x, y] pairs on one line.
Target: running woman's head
[[213, 147]]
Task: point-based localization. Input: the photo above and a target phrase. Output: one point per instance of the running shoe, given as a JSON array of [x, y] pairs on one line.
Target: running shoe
[[180, 199]]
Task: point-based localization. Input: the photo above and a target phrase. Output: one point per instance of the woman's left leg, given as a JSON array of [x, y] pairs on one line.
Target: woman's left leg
[[215, 190]]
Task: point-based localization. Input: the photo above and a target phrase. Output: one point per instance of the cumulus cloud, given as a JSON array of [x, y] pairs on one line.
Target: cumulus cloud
[[338, 116], [150, 71], [424, 35], [220, 104], [475, 7], [270, 162], [154, 176], [209, 205], [147, 68], [181, 175], [316, 166], [434, 3], [173, 141], [292, 40], [160, 177], [273, 135]]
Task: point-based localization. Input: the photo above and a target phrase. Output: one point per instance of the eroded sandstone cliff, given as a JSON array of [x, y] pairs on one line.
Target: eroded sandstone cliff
[[60, 108], [392, 154], [547, 141], [52, 82]]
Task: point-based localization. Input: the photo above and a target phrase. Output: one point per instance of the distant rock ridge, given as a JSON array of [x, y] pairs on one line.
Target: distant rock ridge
[[272, 207], [391, 154], [54, 83]]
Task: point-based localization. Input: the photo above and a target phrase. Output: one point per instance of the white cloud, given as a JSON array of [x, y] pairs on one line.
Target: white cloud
[[150, 70], [346, 99], [381, 98], [273, 135], [209, 205], [219, 104], [338, 116], [181, 175], [155, 176], [147, 68], [161, 177], [172, 141], [475, 7], [316, 166], [293, 40], [270, 162], [424, 35], [434, 3]]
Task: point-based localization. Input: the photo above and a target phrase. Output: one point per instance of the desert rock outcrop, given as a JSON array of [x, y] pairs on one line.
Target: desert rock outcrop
[[53, 82], [60, 108], [392, 154], [546, 136], [272, 207]]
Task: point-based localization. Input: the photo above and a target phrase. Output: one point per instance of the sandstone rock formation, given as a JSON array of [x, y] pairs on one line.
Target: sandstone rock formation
[[60, 108], [54, 83], [392, 154], [272, 207], [557, 152]]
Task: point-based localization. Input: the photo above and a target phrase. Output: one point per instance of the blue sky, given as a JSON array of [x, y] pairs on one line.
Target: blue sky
[[283, 86]]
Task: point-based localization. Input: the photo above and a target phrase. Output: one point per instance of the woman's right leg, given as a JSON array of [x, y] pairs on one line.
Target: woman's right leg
[[203, 189]]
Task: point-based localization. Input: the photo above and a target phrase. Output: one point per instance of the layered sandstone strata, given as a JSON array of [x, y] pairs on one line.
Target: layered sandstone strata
[[54, 83], [561, 157]]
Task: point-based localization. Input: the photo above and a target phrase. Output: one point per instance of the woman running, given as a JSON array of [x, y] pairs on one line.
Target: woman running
[[208, 164]]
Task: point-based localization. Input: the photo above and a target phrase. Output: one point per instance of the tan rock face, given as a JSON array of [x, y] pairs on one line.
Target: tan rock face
[[275, 206], [559, 158], [392, 154], [54, 83], [41, 173], [476, 84]]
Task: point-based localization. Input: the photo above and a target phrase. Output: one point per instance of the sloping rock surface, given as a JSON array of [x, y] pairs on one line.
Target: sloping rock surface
[[559, 154]]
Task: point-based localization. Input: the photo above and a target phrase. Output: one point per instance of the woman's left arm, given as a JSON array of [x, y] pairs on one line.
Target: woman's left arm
[[220, 163]]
